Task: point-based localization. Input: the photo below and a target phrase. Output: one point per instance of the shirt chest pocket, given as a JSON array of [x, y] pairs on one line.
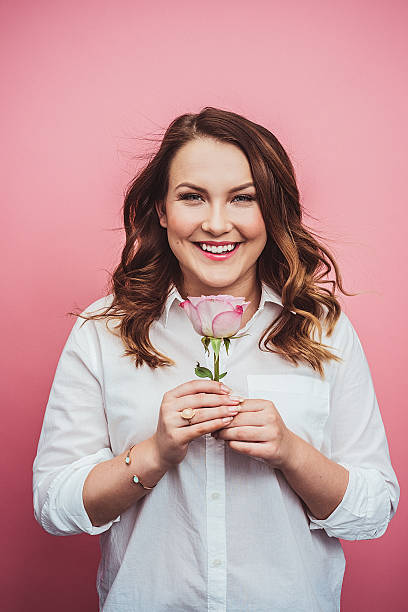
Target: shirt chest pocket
[[302, 401]]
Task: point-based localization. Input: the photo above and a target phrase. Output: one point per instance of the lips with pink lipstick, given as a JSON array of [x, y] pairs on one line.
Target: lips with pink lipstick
[[208, 248]]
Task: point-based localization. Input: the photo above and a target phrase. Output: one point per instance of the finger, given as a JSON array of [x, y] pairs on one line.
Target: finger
[[253, 405], [246, 418], [199, 386], [217, 412], [199, 429], [205, 400], [244, 434], [257, 450]]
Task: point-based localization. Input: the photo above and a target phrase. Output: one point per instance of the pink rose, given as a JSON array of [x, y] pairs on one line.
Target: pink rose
[[215, 316]]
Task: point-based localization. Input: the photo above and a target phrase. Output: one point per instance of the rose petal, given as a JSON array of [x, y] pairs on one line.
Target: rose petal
[[196, 300], [230, 299], [207, 310], [227, 323], [193, 315], [203, 311]]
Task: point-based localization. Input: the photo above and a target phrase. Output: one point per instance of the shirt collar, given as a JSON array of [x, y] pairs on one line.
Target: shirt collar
[[267, 295]]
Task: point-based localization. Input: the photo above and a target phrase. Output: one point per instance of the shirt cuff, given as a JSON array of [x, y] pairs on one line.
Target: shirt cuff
[[64, 512], [364, 511]]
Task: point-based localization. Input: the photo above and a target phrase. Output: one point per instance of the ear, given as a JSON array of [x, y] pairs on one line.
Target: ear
[[160, 208]]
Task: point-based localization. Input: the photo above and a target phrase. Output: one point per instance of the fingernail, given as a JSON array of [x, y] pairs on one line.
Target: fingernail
[[232, 409], [237, 397], [225, 388], [227, 419]]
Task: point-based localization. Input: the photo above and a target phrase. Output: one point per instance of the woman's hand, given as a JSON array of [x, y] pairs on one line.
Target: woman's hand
[[174, 433], [259, 431]]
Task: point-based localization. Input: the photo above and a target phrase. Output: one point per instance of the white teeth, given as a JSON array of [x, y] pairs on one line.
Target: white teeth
[[215, 249]]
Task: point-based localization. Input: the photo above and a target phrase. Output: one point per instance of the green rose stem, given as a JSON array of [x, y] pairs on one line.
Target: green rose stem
[[216, 345], [216, 367]]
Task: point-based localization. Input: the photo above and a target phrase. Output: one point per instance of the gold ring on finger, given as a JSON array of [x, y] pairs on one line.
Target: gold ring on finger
[[188, 414]]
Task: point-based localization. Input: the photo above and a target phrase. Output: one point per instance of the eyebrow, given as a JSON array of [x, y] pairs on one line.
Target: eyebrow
[[205, 191]]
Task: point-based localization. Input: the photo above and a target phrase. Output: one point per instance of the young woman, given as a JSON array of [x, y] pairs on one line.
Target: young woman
[[240, 506]]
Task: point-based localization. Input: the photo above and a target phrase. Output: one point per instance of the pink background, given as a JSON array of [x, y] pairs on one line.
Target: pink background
[[82, 81]]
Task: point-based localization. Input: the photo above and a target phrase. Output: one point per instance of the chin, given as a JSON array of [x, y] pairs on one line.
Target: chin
[[218, 284]]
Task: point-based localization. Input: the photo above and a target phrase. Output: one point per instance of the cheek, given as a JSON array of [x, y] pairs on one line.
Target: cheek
[[181, 225], [253, 226]]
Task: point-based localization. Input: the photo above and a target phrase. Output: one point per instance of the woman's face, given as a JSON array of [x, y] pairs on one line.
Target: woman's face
[[212, 211]]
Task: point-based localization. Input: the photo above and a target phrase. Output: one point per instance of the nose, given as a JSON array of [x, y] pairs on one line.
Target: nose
[[216, 221]]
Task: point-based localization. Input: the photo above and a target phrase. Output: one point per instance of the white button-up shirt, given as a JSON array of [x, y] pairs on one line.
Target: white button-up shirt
[[221, 531]]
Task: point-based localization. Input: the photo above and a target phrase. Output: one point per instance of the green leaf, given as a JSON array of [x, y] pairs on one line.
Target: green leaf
[[241, 336], [216, 343], [227, 343], [222, 375], [203, 372], [206, 341]]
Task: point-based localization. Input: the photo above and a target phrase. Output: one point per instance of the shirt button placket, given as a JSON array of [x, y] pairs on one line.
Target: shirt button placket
[[216, 524]]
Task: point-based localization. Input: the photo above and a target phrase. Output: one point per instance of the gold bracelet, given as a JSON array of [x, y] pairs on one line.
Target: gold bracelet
[[136, 478]]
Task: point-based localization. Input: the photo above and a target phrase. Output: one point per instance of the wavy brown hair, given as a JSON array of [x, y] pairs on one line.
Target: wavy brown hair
[[293, 262]]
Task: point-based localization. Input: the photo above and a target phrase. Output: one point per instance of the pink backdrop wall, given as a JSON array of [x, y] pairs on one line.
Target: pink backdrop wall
[[80, 81]]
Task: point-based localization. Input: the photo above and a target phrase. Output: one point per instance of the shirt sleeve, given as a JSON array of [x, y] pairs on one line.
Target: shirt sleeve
[[74, 438], [358, 443]]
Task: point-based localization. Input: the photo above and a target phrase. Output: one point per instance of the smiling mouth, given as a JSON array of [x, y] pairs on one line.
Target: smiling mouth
[[217, 254], [217, 250]]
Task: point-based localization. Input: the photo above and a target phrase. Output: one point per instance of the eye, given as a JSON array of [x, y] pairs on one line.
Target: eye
[[190, 196], [248, 198], [187, 196]]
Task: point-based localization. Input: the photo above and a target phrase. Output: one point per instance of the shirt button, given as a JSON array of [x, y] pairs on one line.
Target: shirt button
[[215, 496], [216, 562]]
